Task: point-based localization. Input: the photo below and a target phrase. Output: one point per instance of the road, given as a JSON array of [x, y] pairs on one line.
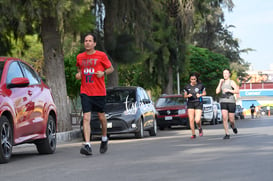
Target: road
[[170, 156]]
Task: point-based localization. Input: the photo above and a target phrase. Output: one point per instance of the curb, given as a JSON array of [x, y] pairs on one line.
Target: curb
[[68, 135]]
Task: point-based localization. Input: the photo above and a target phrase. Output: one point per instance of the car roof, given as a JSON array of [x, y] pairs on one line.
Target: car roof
[[123, 88], [171, 95]]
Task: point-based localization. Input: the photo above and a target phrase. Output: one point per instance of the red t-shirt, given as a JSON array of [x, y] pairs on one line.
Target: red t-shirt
[[91, 85]]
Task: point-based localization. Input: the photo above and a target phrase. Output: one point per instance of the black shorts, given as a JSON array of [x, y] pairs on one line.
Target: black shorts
[[230, 107], [195, 105], [93, 103]]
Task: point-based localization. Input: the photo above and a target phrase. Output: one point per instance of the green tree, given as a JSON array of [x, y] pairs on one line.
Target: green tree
[[209, 65], [72, 84], [131, 26]]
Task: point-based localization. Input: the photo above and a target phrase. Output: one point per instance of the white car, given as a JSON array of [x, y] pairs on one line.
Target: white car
[[207, 113], [217, 113]]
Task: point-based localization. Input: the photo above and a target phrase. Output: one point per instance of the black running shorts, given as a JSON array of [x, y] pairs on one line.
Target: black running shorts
[[230, 107], [195, 105], [93, 103]]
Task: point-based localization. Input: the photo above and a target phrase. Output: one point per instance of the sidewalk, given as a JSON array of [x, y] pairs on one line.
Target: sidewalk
[[67, 136]]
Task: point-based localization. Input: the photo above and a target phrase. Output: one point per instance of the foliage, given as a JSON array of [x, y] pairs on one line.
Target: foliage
[[30, 50], [137, 74], [72, 84], [209, 65]]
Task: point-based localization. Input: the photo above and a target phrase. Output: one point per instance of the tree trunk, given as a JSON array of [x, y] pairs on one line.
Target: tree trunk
[[54, 70], [169, 87], [111, 8], [112, 79]]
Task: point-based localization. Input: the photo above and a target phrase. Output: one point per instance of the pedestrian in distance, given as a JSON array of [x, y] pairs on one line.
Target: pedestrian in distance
[[93, 66], [252, 109], [228, 88], [194, 92], [258, 112]]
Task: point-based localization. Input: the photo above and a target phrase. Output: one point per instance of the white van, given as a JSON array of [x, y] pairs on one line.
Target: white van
[[207, 113]]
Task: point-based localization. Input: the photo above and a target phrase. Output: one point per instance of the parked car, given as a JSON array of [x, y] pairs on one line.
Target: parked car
[[239, 112], [217, 113], [207, 113], [27, 111], [127, 110], [171, 111]]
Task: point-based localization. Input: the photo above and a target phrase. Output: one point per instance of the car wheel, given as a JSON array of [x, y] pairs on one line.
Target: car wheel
[[48, 145], [153, 130], [140, 132], [6, 140]]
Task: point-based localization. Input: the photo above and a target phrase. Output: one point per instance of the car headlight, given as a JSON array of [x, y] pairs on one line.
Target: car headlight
[[209, 108], [182, 111], [130, 112]]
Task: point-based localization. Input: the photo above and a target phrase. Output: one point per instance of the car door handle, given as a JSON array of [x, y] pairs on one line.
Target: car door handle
[[29, 92]]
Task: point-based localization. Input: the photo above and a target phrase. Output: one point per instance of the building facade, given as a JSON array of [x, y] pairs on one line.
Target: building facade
[[258, 90]]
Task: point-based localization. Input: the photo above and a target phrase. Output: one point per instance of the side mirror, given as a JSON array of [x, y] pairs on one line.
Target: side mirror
[[18, 82]]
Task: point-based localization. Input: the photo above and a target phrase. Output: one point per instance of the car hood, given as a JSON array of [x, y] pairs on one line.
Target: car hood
[[115, 107], [120, 107], [171, 107]]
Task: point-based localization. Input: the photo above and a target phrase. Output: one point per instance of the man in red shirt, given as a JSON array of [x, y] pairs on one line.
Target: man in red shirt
[[93, 66]]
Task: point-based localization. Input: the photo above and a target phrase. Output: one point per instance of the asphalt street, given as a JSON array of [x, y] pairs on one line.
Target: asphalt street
[[171, 155]]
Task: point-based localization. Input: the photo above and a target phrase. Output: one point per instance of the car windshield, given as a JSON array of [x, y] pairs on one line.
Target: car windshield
[[120, 96], [1, 68], [206, 100], [170, 101]]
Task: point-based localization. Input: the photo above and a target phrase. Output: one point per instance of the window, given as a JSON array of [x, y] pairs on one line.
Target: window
[[30, 74], [170, 101], [13, 72]]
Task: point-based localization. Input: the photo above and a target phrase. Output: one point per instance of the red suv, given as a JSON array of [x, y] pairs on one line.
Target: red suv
[[171, 110], [27, 110]]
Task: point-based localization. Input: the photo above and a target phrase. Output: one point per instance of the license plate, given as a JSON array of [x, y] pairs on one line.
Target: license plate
[[168, 118], [109, 125]]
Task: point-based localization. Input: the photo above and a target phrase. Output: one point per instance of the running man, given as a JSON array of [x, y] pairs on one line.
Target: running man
[[93, 66]]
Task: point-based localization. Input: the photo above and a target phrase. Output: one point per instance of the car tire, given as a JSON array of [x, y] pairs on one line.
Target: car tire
[[153, 130], [140, 132], [6, 140], [48, 145]]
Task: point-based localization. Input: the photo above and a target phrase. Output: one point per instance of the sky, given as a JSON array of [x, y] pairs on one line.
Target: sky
[[253, 21]]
